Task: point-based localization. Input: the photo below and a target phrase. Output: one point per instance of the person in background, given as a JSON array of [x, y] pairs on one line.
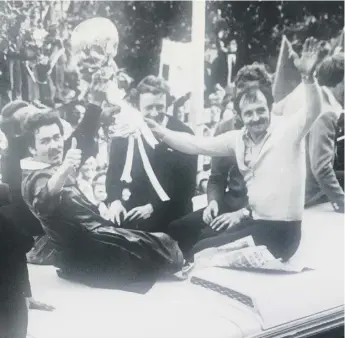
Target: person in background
[[142, 208], [213, 112], [13, 116], [339, 158], [14, 278], [85, 178], [322, 184], [275, 207], [100, 194], [228, 111], [181, 111]]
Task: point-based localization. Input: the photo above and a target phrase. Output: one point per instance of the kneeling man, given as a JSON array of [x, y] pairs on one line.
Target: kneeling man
[[90, 249]]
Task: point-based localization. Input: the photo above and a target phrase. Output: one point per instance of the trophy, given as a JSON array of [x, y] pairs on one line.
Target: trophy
[[94, 45]]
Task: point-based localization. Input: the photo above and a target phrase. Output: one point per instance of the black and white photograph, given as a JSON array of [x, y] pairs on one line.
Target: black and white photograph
[[172, 169]]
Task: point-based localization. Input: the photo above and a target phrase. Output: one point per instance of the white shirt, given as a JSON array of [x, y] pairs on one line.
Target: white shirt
[[276, 179]]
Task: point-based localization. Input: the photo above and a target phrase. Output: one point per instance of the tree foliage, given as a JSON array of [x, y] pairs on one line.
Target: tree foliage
[[256, 25]]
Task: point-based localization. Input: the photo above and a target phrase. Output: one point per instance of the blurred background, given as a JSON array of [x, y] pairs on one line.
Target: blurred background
[[36, 63]]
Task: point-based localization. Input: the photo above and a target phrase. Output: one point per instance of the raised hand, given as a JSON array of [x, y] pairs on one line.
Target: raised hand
[[97, 92], [310, 57]]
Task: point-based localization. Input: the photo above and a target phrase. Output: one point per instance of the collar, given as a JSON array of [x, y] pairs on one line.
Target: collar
[[30, 164]]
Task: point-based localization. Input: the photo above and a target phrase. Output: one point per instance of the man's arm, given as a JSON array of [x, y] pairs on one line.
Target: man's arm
[[117, 157], [220, 167], [46, 189], [306, 65], [86, 132], [312, 111], [321, 153], [223, 145], [57, 181]]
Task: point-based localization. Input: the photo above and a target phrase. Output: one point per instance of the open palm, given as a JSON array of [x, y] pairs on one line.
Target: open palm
[[310, 57]]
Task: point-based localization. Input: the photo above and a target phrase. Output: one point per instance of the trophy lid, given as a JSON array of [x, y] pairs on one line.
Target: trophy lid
[[95, 32]]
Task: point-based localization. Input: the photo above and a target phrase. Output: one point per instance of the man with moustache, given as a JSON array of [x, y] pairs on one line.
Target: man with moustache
[[135, 204], [271, 156], [89, 248]]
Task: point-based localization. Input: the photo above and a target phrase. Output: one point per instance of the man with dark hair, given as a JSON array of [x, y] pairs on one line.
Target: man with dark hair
[[135, 204], [275, 194], [322, 184], [90, 249]]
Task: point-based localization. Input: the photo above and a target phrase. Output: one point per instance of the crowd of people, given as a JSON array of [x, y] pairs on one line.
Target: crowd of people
[[89, 194]]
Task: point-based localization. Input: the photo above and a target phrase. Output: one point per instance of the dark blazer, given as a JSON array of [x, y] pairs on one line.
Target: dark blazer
[[175, 171], [321, 182], [14, 244], [225, 174]]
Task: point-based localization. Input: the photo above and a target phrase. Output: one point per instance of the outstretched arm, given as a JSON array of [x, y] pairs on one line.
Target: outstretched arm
[[222, 145]]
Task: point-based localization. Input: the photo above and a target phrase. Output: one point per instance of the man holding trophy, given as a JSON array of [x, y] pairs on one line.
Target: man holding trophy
[[90, 249]]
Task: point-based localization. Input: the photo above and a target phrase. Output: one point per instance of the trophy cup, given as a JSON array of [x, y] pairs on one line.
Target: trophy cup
[[94, 45]]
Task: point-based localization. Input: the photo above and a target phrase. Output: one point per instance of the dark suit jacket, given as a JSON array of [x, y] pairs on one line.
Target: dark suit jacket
[[321, 182], [225, 174], [175, 171], [14, 244]]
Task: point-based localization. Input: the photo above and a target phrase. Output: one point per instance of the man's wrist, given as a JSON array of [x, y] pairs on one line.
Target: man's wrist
[[246, 212], [213, 202], [150, 207], [116, 202], [308, 78], [67, 168]]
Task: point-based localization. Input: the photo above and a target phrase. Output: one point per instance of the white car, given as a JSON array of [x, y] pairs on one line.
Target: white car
[[215, 303]]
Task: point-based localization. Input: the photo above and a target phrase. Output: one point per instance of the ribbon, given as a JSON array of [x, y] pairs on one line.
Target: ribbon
[[150, 173], [133, 117], [126, 175]]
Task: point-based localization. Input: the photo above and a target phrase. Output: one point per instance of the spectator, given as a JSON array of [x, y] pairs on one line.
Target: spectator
[[85, 178], [100, 194], [322, 184], [14, 278]]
